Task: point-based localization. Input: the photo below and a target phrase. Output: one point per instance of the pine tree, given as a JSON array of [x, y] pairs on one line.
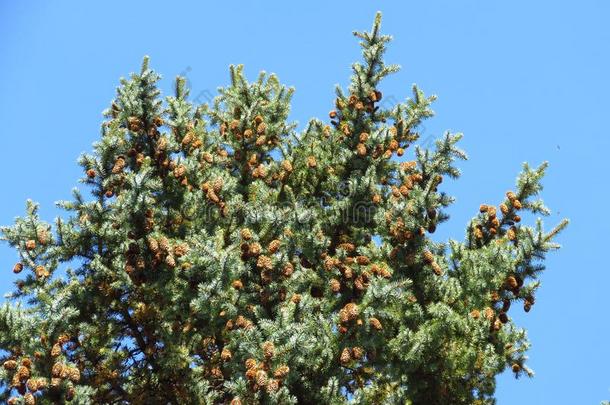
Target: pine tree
[[224, 257]]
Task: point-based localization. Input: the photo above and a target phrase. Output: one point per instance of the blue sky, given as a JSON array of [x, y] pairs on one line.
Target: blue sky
[[524, 81]]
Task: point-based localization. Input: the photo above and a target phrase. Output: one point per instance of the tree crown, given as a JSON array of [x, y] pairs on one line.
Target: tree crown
[[225, 257]]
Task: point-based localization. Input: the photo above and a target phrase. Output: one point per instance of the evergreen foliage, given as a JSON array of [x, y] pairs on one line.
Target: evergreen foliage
[[224, 257]]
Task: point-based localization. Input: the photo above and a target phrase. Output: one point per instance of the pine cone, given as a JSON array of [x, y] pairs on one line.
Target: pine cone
[[216, 373], [161, 144], [345, 357], [246, 234], [357, 352], [274, 246], [428, 257], [26, 362], [375, 323], [29, 399], [288, 270], [281, 372], [158, 121], [259, 172], [363, 260], [251, 374], [264, 263], [41, 272], [32, 385], [360, 284], [197, 143], [10, 365], [261, 128], [260, 140], [261, 378], [134, 124], [511, 282], [16, 381], [41, 383], [497, 325], [23, 373], [250, 364], [188, 138], [170, 261], [348, 247], [181, 249], [491, 211], [74, 374], [56, 350], [286, 165], [153, 245], [351, 311], [18, 268], [63, 339], [254, 249], [164, 244], [268, 349], [393, 146], [207, 157], [179, 171], [119, 165], [226, 354], [272, 385], [361, 149], [385, 273], [234, 125], [503, 209], [503, 317]]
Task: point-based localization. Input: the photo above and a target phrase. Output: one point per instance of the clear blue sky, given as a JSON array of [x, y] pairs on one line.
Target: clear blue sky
[[524, 81]]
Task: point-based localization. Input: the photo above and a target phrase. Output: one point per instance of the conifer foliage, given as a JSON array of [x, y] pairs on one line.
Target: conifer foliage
[[223, 257]]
